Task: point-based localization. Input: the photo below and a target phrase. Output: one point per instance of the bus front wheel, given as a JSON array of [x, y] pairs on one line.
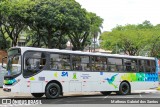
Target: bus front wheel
[[124, 89], [37, 95], [53, 90]]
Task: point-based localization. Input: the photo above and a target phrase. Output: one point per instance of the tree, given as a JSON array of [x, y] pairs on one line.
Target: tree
[[55, 18], [153, 45], [12, 12], [142, 39], [35, 40], [145, 25], [129, 38], [81, 35], [4, 41], [51, 23], [96, 25]]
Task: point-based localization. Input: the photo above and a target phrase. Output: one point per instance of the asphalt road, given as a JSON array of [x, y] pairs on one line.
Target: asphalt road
[[150, 100]]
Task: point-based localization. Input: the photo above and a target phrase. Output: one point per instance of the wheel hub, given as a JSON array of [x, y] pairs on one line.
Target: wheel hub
[[125, 89], [53, 91]]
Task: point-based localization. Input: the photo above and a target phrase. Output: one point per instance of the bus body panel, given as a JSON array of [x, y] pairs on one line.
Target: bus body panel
[[85, 81]]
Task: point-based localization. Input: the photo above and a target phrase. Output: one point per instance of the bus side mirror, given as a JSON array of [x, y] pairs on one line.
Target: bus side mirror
[[4, 59]]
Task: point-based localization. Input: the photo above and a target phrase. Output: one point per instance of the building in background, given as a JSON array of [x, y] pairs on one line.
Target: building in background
[[21, 41], [3, 53]]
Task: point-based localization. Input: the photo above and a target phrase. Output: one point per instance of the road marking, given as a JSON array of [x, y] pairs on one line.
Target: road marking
[[105, 97], [140, 95]]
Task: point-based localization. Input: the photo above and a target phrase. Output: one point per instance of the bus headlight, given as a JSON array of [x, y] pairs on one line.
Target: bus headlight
[[10, 82]]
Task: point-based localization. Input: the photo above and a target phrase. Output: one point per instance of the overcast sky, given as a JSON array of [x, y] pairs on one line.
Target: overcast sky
[[121, 12]]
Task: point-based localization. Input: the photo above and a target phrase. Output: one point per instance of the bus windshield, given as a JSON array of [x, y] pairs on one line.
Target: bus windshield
[[14, 63]]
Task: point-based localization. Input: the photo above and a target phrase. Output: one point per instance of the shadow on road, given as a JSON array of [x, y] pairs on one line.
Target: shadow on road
[[133, 95]]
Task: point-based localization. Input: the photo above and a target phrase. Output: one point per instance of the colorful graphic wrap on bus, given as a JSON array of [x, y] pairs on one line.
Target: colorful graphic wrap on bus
[[9, 82], [101, 73], [74, 76], [111, 80], [32, 78], [64, 74], [56, 74], [132, 77]]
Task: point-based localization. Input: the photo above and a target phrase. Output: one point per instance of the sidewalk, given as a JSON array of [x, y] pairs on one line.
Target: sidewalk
[[8, 94]]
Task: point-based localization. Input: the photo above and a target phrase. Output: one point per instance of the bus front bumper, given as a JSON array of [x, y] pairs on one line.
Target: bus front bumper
[[11, 88], [7, 89]]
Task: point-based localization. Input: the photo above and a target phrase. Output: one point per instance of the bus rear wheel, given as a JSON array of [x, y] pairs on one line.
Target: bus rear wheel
[[106, 92], [53, 90], [124, 89], [37, 95]]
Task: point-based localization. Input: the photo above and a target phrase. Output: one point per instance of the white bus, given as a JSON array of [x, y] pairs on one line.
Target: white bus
[[53, 72], [2, 73]]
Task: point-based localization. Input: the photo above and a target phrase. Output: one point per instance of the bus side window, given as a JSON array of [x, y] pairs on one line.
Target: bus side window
[[59, 61], [81, 62], [99, 63], [54, 64], [27, 63], [113, 68], [42, 61], [130, 65], [87, 67], [76, 62], [153, 66], [32, 63], [141, 65], [147, 66], [114, 65]]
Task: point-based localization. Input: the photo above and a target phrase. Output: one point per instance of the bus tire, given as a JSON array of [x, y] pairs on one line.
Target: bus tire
[[106, 92], [37, 95], [52, 90], [124, 89]]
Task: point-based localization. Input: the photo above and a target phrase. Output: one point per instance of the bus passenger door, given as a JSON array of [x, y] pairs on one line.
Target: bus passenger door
[[75, 86]]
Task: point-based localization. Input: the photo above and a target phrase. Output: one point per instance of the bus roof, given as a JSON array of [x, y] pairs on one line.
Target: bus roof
[[23, 49]]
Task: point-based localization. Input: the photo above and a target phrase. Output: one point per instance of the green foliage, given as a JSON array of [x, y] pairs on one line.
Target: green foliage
[[12, 13], [4, 42], [35, 40], [138, 39], [55, 20], [89, 28], [49, 23]]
